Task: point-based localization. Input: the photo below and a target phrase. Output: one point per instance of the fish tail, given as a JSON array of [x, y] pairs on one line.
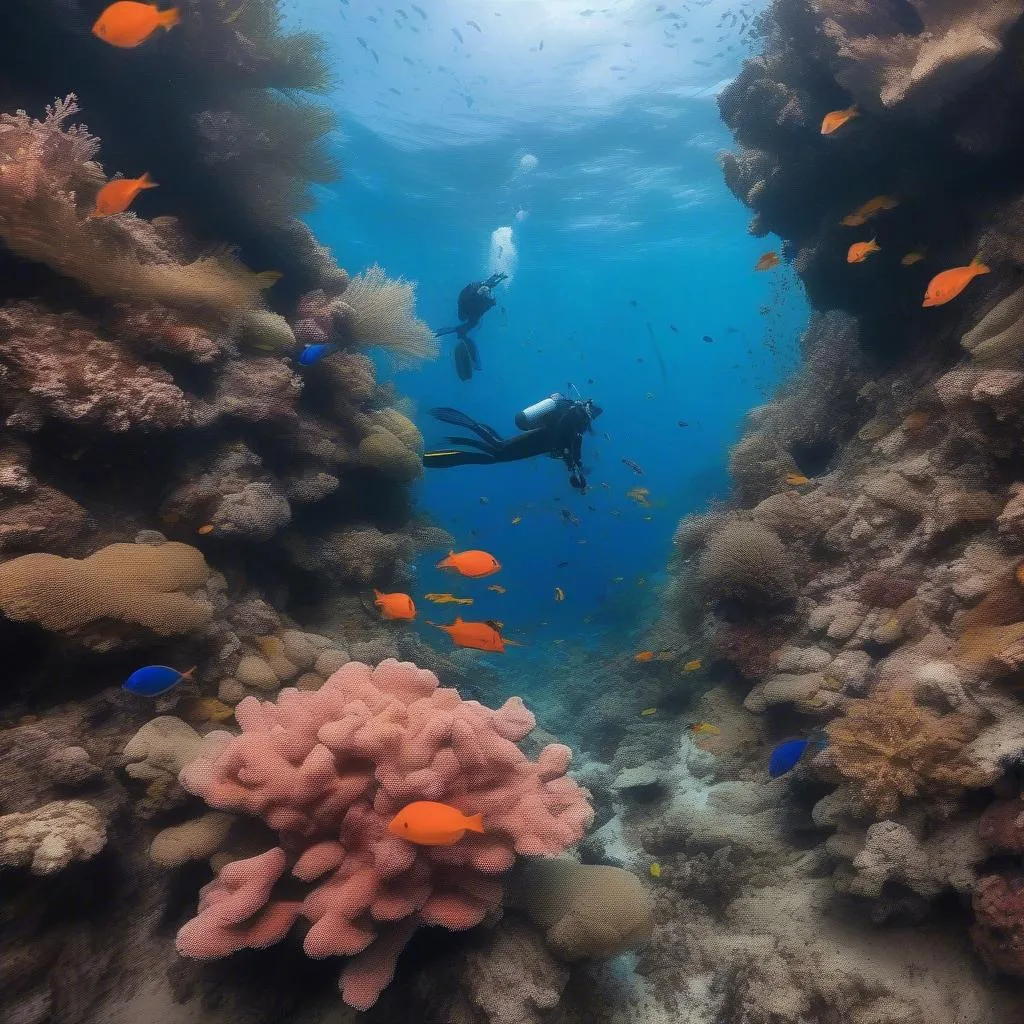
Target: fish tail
[[188, 673], [474, 823], [979, 267], [168, 19], [146, 181]]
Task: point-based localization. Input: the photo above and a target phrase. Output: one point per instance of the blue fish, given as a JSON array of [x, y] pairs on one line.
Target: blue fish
[[154, 680], [314, 353], [786, 755]]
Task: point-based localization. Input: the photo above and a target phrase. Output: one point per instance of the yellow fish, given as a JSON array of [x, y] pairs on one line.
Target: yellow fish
[[559, 594], [863, 213], [448, 599], [912, 257], [647, 712], [639, 495], [655, 870], [665, 656], [516, 520], [692, 666], [705, 728], [205, 529], [796, 479], [207, 709], [497, 588], [267, 279]]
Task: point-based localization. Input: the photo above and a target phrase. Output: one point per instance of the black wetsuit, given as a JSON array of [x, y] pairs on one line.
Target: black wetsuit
[[474, 300], [560, 436]]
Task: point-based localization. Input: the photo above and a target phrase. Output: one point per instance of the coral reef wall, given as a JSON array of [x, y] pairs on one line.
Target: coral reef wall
[[864, 588]]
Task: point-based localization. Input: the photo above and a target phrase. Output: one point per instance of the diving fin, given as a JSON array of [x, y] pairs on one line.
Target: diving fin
[[463, 362], [474, 352]]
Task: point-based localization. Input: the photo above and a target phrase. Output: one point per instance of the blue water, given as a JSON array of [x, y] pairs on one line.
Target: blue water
[[622, 226]]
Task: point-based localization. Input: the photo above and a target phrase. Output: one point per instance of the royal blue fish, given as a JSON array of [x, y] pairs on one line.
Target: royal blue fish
[[314, 353], [154, 680], [786, 754]]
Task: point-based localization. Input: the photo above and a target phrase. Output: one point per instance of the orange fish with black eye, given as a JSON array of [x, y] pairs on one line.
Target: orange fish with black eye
[[860, 251], [395, 607], [127, 23], [480, 636], [474, 564], [768, 261], [949, 284], [643, 656], [429, 823], [835, 119], [116, 196]]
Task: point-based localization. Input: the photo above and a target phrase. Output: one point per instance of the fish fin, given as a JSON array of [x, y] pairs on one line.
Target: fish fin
[[168, 19], [189, 673], [458, 620], [474, 823], [979, 267], [146, 181], [377, 593]]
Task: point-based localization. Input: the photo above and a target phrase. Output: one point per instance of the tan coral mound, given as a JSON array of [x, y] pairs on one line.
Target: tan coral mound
[[51, 837], [891, 749], [132, 583]]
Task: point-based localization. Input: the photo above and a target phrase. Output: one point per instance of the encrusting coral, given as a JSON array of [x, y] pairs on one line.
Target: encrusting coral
[[327, 770], [51, 837]]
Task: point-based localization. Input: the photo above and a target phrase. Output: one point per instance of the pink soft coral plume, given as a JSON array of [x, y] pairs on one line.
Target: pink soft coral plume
[[328, 770]]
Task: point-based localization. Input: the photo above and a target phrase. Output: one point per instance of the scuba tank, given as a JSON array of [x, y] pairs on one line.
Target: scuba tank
[[534, 416]]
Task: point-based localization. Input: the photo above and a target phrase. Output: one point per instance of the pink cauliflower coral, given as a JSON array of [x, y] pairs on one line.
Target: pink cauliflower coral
[[328, 770]]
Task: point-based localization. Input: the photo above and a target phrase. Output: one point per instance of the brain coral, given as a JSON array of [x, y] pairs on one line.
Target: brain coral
[[129, 583], [746, 564], [327, 770]]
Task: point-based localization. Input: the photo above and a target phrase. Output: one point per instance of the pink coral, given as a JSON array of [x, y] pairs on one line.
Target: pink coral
[[1002, 825], [327, 770], [998, 930]]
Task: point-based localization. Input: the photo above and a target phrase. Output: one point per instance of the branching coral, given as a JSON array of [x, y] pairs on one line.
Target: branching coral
[[48, 170], [153, 587], [890, 749], [746, 564], [328, 770], [69, 372], [382, 315]]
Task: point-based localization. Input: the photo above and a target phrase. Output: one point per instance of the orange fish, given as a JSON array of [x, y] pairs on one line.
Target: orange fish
[[949, 284], [705, 728], [1020, 573], [205, 529], [768, 261], [796, 479], [395, 606], [863, 213], [497, 588], [428, 823], [860, 251], [127, 23], [481, 636], [643, 656], [471, 563], [116, 196], [692, 666], [835, 119]]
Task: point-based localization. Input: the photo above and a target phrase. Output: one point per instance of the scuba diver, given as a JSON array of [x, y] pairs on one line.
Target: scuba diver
[[474, 300], [553, 426]]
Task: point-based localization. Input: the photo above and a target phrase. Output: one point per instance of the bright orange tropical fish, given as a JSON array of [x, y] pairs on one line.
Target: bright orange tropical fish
[[205, 529], [835, 119], [949, 284], [863, 213], [860, 251], [127, 23], [481, 636], [643, 656], [471, 563], [692, 666], [429, 823], [395, 606], [796, 479], [768, 261], [116, 196]]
